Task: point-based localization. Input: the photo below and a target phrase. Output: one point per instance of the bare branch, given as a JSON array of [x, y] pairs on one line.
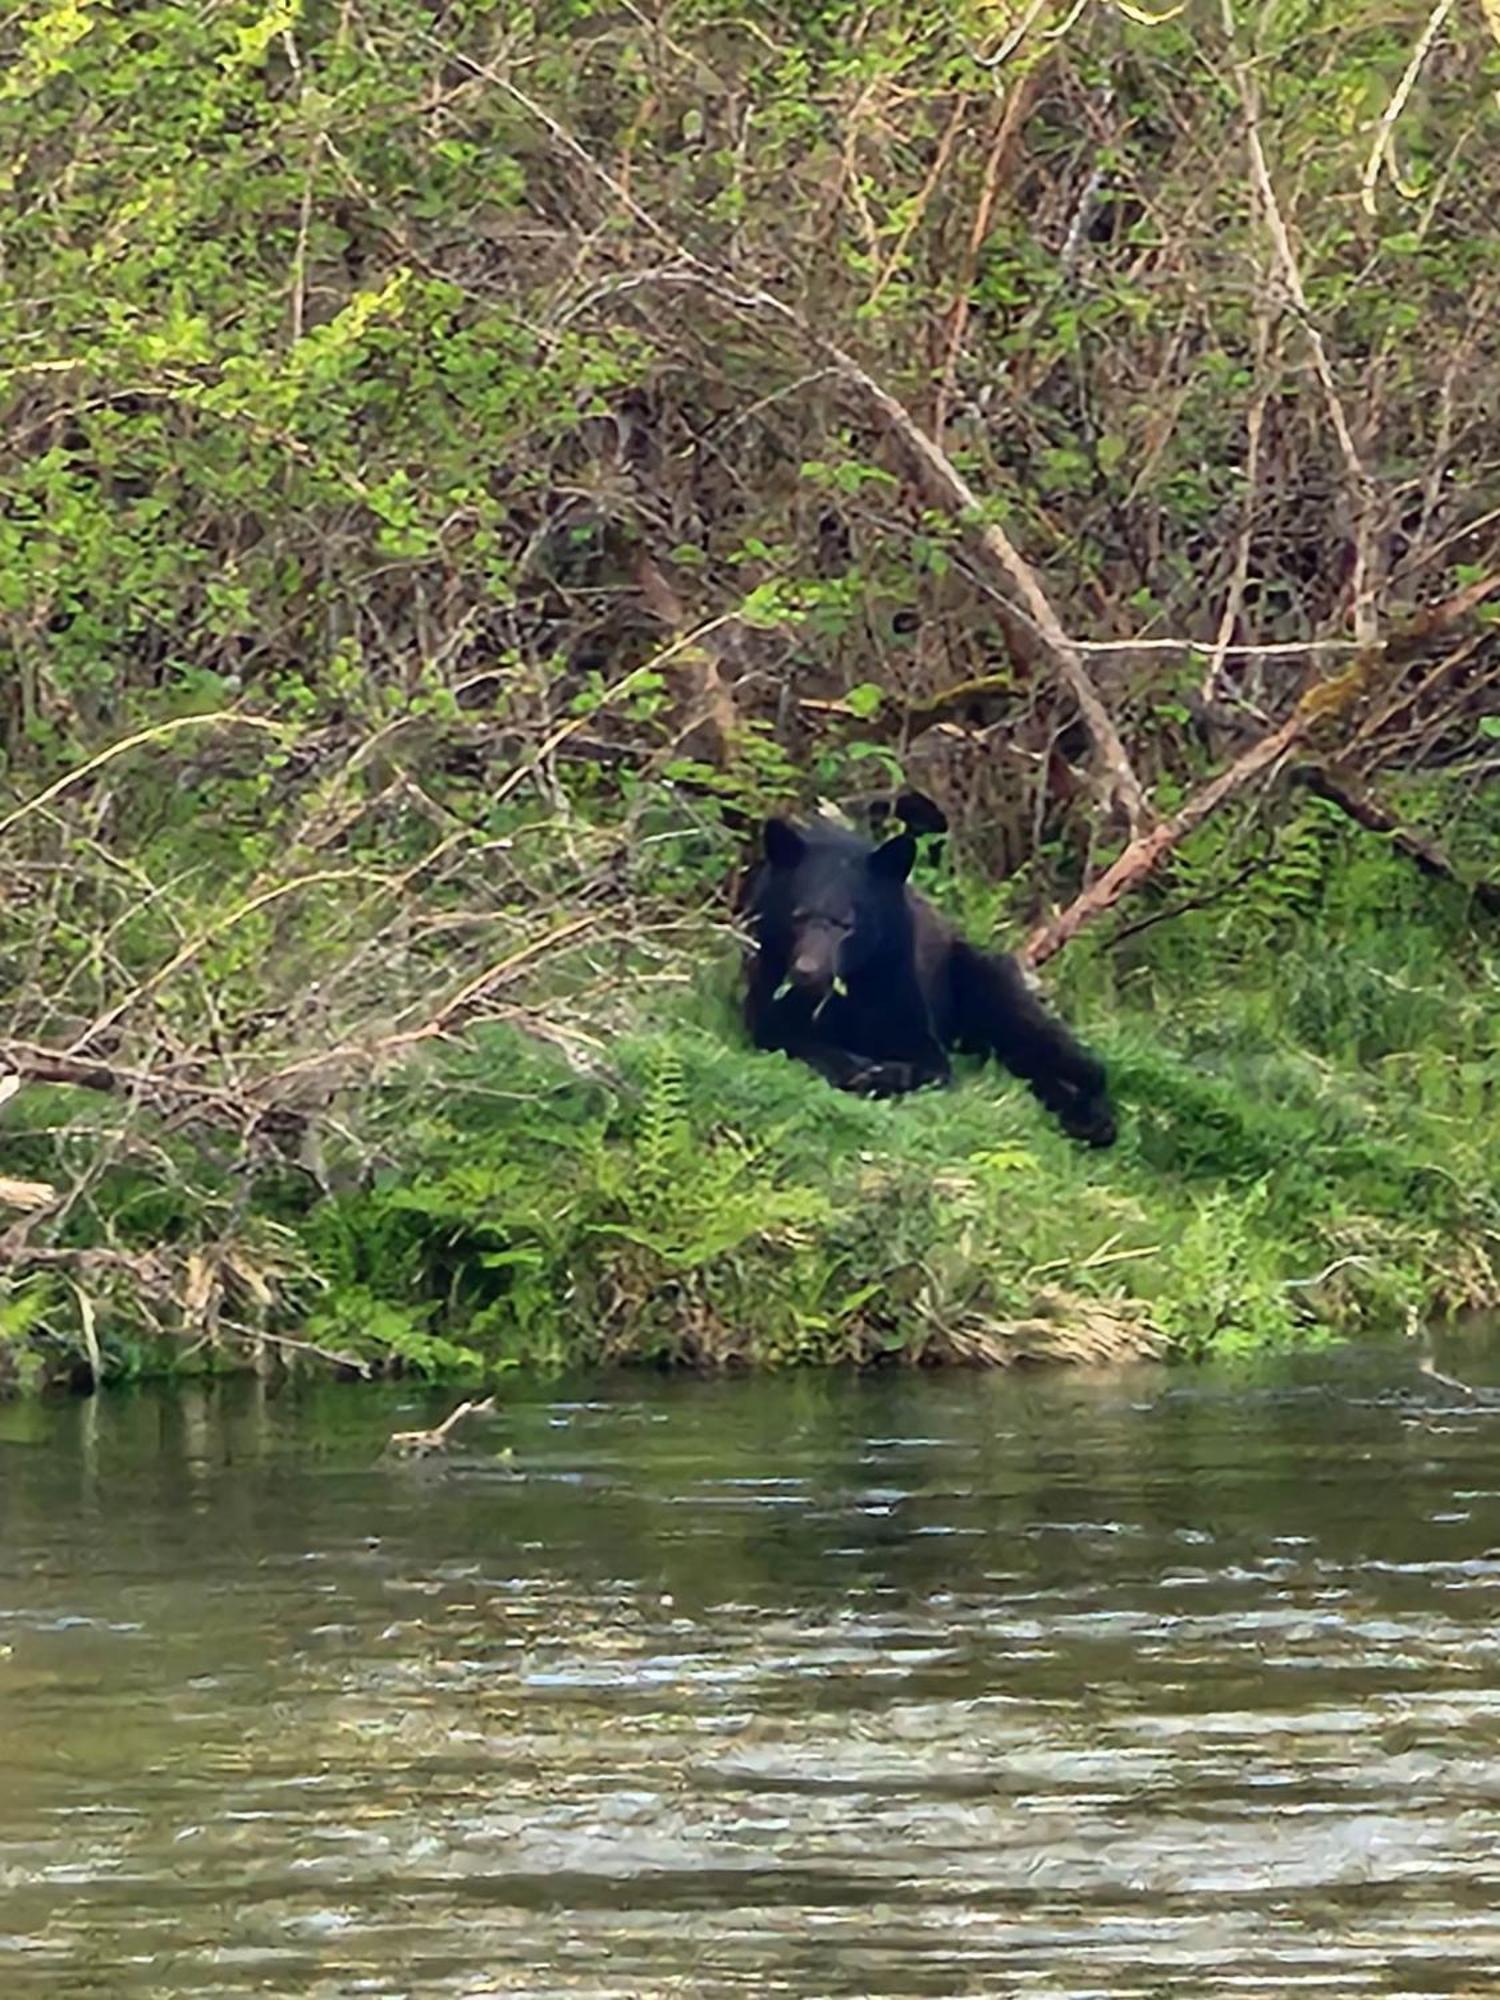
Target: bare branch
[[1386, 131], [1343, 789], [162, 1092], [1359, 490], [944, 484], [1144, 855]]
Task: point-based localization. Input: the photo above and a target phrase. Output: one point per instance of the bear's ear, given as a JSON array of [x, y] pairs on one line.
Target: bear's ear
[[892, 862], [920, 814], [783, 844]]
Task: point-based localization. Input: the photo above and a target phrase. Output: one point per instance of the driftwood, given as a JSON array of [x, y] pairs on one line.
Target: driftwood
[[421, 1444]]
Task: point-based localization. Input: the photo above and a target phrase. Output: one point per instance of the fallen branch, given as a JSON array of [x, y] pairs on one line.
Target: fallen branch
[[259, 1336], [171, 1096], [1144, 855], [1322, 703], [1343, 789]]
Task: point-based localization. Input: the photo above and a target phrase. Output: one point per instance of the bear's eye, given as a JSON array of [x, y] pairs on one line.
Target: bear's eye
[[821, 917]]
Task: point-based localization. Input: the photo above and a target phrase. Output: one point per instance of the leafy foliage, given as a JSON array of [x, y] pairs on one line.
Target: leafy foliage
[[414, 575]]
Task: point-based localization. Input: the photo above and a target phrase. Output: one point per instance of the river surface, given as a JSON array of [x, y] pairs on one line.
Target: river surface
[[1161, 1684]]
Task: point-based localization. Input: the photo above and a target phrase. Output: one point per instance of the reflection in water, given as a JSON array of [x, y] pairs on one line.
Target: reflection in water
[[1156, 1686]]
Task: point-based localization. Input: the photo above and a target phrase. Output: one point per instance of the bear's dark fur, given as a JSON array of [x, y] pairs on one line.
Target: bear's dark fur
[[853, 973]]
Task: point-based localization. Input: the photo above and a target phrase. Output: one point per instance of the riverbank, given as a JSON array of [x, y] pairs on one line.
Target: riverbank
[[711, 1207], [1309, 1148]]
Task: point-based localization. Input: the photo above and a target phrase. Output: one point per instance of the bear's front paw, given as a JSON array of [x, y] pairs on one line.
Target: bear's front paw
[[886, 1079]]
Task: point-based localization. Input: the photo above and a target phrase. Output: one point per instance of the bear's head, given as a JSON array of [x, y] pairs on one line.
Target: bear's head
[[841, 903]]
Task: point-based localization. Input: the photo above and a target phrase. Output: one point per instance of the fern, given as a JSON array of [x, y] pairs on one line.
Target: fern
[[664, 1150]]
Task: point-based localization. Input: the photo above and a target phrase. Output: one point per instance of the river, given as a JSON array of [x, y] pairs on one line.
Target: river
[[1158, 1684]]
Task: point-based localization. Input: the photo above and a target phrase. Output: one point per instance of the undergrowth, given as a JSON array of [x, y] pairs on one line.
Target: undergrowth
[[714, 1205]]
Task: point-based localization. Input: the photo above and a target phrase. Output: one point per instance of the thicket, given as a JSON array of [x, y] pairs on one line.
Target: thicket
[[460, 466]]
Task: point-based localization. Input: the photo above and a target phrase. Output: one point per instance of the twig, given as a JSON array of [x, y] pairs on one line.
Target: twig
[[1012, 111], [194, 945], [623, 686], [1022, 29], [1235, 596], [228, 717], [1354, 1261], [1274, 649], [1434, 1374], [1386, 131], [1188, 904], [924, 197], [304, 230], [438, 1024], [417, 1444]]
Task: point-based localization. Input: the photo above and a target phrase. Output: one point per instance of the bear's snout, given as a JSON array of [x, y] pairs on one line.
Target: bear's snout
[[812, 972], [815, 960]]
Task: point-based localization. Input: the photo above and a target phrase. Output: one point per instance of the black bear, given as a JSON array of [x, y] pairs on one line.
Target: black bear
[[853, 973]]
